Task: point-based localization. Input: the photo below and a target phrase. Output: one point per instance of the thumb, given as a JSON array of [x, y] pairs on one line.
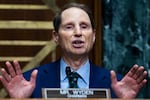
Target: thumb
[[33, 76], [113, 77]]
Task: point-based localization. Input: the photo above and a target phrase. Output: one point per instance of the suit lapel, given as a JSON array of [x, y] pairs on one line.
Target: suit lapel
[[51, 75], [99, 78], [92, 78]]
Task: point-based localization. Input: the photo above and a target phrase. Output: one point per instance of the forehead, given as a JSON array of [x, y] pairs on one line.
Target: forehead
[[75, 14]]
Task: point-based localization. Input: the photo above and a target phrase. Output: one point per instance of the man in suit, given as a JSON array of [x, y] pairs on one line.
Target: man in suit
[[74, 32]]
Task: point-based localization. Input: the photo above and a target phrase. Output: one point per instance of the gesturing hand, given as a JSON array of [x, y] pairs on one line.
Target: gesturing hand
[[15, 83], [132, 82]]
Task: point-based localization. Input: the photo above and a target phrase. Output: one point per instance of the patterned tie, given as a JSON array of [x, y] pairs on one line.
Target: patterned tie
[[72, 77]]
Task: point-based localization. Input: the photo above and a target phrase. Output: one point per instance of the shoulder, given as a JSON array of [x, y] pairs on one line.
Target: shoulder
[[42, 69], [101, 71]]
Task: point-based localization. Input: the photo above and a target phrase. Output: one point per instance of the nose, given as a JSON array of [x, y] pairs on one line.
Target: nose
[[78, 32]]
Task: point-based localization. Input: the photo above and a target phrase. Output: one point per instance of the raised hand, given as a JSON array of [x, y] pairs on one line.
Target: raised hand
[[14, 81], [132, 82]]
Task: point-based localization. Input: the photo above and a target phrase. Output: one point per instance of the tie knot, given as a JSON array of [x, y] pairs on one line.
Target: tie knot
[[74, 75]]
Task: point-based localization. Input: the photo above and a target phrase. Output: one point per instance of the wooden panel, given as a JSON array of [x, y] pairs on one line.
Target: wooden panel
[[90, 3], [34, 15], [19, 50], [39, 34], [8, 14], [2, 64], [19, 34], [61, 3], [23, 41], [97, 50], [21, 2]]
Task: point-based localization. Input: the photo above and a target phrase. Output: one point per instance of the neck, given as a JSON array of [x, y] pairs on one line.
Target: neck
[[75, 62]]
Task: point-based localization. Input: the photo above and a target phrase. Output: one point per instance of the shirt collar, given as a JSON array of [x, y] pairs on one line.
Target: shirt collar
[[83, 71]]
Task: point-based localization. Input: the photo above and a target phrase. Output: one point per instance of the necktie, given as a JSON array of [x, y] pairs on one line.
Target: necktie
[[72, 77]]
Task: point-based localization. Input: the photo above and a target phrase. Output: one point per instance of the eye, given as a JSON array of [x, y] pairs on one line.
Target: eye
[[84, 26], [68, 27]]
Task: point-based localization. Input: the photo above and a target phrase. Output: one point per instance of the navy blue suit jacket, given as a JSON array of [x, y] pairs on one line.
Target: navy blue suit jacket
[[49, 77]]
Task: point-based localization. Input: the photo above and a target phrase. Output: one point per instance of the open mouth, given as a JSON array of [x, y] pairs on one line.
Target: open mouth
[[78, 43]]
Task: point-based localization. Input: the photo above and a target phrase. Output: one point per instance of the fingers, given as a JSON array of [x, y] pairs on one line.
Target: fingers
[[138, 73], [113, 77], [141, 84], [12, 71], [17, 67], [33, 76], [5, 76], [132, 70], [4, 81], [142, 77]]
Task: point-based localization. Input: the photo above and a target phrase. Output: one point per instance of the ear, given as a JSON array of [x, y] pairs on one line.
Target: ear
[[94, 33], [55, 37]]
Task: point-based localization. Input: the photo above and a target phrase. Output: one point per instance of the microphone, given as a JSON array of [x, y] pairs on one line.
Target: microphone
[[68, 71]]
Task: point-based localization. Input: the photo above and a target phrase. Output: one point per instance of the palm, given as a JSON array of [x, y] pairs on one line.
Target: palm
[[15, 83], [130, 85], [126, 87], [13, 87]]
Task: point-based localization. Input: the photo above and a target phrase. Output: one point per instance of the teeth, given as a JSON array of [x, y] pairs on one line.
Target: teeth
[[77, 42]]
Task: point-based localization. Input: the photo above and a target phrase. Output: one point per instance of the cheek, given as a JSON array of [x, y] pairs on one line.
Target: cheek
[[90, 39], [64, 40]]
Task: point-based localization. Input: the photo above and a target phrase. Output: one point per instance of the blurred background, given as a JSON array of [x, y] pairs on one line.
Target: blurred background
[[122, 39]]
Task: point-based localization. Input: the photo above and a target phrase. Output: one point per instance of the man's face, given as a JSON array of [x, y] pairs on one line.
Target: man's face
[[75, 35]]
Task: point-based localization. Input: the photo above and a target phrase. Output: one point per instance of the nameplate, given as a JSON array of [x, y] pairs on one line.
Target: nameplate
[[75, 93]]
